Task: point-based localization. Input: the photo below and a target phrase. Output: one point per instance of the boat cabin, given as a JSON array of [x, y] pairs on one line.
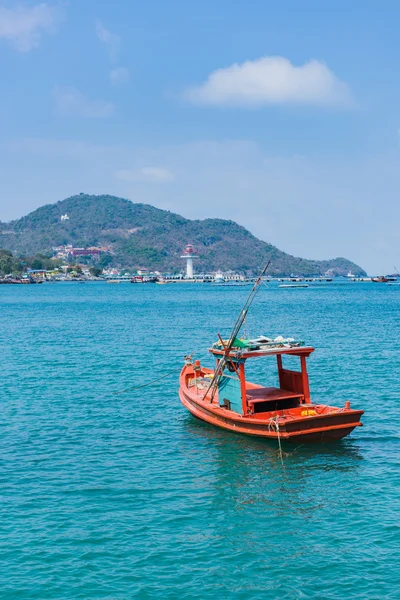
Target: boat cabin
[[245, 398]]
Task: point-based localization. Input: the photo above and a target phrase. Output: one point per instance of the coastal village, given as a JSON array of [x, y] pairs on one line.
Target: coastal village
[[84, 264]]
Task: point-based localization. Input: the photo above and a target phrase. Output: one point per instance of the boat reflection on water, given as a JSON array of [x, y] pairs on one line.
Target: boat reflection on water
[[241, 444], [271, 526], [248, 471]]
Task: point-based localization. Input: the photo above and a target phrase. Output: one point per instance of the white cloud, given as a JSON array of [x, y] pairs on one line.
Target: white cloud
[[71, 102], [23, 26], [112, 41], [119, 76], [271, 80], [145, 174]]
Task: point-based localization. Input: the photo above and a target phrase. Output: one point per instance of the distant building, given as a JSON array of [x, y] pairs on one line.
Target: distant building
[[84, 252], [68, 252], [65, 217]]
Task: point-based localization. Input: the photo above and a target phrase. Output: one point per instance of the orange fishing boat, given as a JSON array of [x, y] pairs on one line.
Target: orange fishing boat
[[223, 396]]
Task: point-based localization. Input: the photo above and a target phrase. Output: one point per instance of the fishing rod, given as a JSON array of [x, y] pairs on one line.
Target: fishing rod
[[235, 332], [243, 313]]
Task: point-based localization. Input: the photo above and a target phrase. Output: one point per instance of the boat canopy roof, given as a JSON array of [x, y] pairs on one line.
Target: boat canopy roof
[[261, 346]]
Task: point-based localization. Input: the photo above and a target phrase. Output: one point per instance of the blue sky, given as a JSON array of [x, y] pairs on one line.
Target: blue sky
[[283, 116]]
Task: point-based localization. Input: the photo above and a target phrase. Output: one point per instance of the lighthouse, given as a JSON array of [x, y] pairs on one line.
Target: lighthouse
[[189, 254]]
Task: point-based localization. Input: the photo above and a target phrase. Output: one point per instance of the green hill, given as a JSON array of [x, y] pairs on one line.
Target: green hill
[[140, 235]]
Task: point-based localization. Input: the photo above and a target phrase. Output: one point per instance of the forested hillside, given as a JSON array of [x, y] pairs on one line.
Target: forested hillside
[[140, 235]]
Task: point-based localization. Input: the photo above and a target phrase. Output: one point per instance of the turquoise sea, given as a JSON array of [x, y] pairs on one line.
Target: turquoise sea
[[118, 496]]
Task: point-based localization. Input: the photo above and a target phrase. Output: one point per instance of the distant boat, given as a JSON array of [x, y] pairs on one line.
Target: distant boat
[[381, 279], [294, 285], [232, 284], [219, 278], [18, 280], [144, 279]]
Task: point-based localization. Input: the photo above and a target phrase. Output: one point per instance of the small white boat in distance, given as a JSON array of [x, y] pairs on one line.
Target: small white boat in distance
[[294, 285], [219, 278]]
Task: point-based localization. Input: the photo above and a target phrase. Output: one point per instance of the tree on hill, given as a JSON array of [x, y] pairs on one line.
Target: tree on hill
[[6, 262], [15, 265]]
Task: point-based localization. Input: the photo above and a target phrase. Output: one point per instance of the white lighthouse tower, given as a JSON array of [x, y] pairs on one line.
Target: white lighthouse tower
[[189, 254]]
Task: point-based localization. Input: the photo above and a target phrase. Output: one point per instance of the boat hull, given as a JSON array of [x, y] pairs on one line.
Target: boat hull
[[319, 428]]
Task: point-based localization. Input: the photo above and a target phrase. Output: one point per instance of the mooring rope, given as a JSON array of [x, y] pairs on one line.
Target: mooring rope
[[275, 423], [138, 387], [143, 385]]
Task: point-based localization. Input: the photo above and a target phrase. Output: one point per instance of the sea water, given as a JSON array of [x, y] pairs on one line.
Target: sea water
[[109, 495]]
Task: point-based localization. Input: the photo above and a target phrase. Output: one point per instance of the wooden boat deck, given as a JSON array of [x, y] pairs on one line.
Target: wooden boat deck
[[265, 394]]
